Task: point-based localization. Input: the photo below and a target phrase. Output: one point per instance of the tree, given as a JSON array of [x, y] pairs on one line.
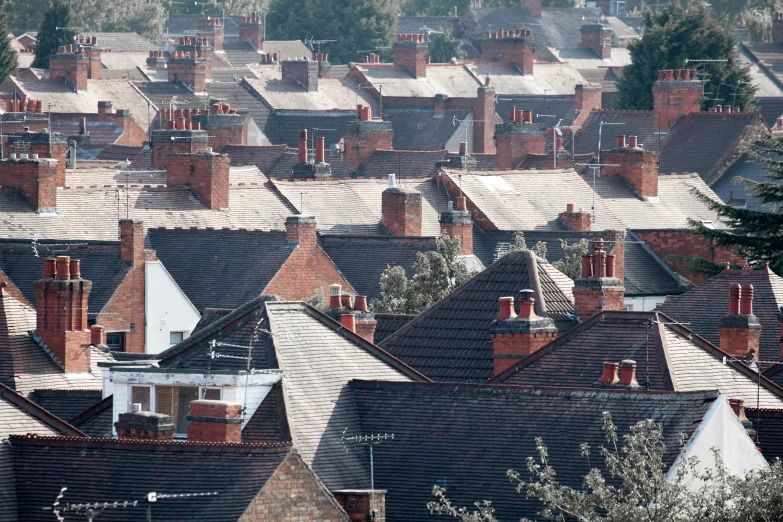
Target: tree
[[8, 60], [755, 234], [672, 36], [442, 48], [436, 275], [356, 25], [635, 486], [444, 7], [49, 36], [520, 244], [572, 264], [145, 17]]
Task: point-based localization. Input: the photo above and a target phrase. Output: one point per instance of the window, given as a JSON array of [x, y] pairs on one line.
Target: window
[[176, 337], [174, 401], [140, 395], [212, 394], [115, 340]]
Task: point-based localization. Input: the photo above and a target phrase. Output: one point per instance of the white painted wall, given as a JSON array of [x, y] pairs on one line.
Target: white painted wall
[[167, 308], [644, 304]]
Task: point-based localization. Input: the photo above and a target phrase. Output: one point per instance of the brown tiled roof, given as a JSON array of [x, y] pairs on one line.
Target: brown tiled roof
[[703, 307], [450, 340], [465, 437]]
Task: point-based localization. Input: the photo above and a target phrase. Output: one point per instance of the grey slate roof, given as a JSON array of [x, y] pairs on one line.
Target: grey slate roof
[[8, 505], [21, 416], [771, 108], [450, 340], [66, 404], [390, 323], [465, 437], [557, 107], [422, 129], [728, 190], [241, 98], [404, 163], [769, 426], [285, 126], [97, 420], [123, 42]]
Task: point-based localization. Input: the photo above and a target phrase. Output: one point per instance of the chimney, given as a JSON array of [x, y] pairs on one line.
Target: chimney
[[598, 289], [533, 6], [777, 28], [156, 60], [300, 232], [628, 374], [214, 421], [610, 373], [93, 58], [484, 119], [145, 425], [364, 137], [401, 209], [211, 29], [61, 298], [348, 321], [639, 167], [45, 144], [132, 241], [311, 168], [365, 320], [517, 138], [410, 52], [458, 223], [225, 127], [514, 337], [358, 504], [598, 38], [251, 30], [740, 330], [587, 98], [105, 108], [70, 64], [97, 335], [189, 68], [738, 406], [581, 220], [169, 145], [35, 178], [335, 294], [302, 72], [676, 93], [207, 173], [515, 47]]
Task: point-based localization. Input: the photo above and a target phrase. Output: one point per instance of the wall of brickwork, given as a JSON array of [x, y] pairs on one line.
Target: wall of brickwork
[[521, 344], [209, 178], [358, 146], [125, 310], [401, 211], [738, 341], [215, 421], [37, 179], [358, 504], [517, 51], [673, 99], [484, 116], [512, 148], [638, 167], [588, 301]]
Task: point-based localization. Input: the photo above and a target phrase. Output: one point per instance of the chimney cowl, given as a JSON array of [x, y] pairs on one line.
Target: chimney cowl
[[610, 375], [628, 373]]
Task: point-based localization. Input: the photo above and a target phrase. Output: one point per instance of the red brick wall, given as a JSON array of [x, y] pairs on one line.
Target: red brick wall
[[133, 135], [509, 51], [463, 232], [639, 168], [401, 211], [484, 116], [358, 504], [127, 306], [94, 63], [293, 494], [587, 99], [213, 32], [413, 56], [358, 146], [71, 66], [587, 301], [738, 341], [132, 241], [577, 220], [517, 344], [225, 135], [209, 431], [366, 329], [674, 99], [252, 32], [161, 159], [615, 244], [512, 148], [37, 179], [209, 178], [191, 71]]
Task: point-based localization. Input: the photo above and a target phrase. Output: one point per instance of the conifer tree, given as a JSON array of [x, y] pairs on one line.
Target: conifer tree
[[49, 36], [8, 61]]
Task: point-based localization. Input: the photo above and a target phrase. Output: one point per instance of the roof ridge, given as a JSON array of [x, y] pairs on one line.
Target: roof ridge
[[137, 442]]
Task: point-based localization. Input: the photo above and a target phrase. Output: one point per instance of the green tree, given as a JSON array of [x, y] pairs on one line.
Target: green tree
[[572, 264], [356, 25], [444, 7], [442, 48], [49, 36], [755, 234], [674, 35], [521, 244], [8, 61]]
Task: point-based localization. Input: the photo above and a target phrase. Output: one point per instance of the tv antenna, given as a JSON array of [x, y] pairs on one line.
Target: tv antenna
[[368, 441], [596, 167], [310, 43]]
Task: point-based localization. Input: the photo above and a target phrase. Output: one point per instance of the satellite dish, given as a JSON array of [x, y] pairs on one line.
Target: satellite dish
[[334, 149]]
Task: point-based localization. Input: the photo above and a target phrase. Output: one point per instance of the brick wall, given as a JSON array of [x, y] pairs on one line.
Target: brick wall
[[586, 99], [365, 138], [215, 421], [359, 504], [597, 38], [212, 30], [518, 51], [302, 72], [223, 129], [132, 241], [484, 116], [588, 301], [576, 220], [125, 310], [401, 211], [411, 55], [94, 63], [168, 142], [674, 98], [209, 178], [515, 141], [192, 71], [637, 166], [52, 146], [70, 66], [36, 179], [739, 341], [251, 30], [522, 344], [293, 494]]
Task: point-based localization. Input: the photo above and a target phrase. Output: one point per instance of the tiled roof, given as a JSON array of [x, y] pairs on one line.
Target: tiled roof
[[405, 163], [465, 437], [362, 259], [97, 420], [606, 77], [21, 416], [240, 97], [667, 357], [547, 77], [455, 81], [414, 24], [634, 123], [123, 42], [584, 58], [97, 469], [703, 307], [119, 153], [770, 108], [162, 93], [268, 423], [263, 157], [286, 49], [558, 107], [769, 427], [284, 126], [8, 505], [421, 129], [101, 133], [450, 340], [390, 323], [242, 53], [220, 268], [728, 190], [124, 60], [66, 404]]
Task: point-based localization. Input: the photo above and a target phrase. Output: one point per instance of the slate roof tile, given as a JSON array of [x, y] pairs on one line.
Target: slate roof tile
[[405, 164], [421, 129], [769, 427], [97, 420], [66, 404]]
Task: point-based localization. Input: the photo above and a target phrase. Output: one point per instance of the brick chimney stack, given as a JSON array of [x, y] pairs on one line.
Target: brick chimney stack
[[157, 60], [777, 28], [70, 64], [458, 223], [533, 6], [198, 47], [576, 220], [209, 177], [303, 72], [90, 44], [598, 289], [223, 125], [639, 167], [517, 138], [215, 421], [211, 29], [61, 297], [357, 504], [514, 337], [301, 231], [364, 137], [401, 209], [598, 38], [145, 425], [514, 47], [311, 168], [324, 67], [410, 52], [587, 98], [35, 177], [44, 144], [189, 68], [132, 241], [251, 30], [484, 116], [676, 93], [740, 330], [170, 144]]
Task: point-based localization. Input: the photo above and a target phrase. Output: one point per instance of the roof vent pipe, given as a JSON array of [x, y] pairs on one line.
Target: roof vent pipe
[[392, 181]]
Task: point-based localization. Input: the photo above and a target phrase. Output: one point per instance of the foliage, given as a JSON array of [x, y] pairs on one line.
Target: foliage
[[754, 234], [356, 25], [672, 36], [635, 485], [443, 7], [572, 264], [49, 37], [442, 48], [8, 60], [758, 25], [145, 17], [436, 275], [215, 7], [520, 244], [318, 300]]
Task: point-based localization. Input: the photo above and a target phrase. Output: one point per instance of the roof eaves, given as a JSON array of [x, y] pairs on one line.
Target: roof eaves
[[39, 413]]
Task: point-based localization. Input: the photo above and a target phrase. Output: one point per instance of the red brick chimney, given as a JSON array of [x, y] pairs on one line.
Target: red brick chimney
[[777, 28], [517, 138], [170, 144], [93, 52], [211, 29], [61, 297], [35, 177], [410, 52], [197, 47], [598, 289], [251, 30], [189, 68], [44, 144], [484, 119], [157, 60], [458, 223], [223, 125], [365, 320], [215, 421], [70, 64], [579, 220], [364, 137], [740, 330], [132, 241], [676, 93], [514, 47], [587, 98], [598, 38], [514, 337], [301, 231], [311, 168], [145, 425], [533, 6], [401, 209], [97, 335], [639, 167], [105, 111], [303, 72], [357, 504], [628, 374]]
